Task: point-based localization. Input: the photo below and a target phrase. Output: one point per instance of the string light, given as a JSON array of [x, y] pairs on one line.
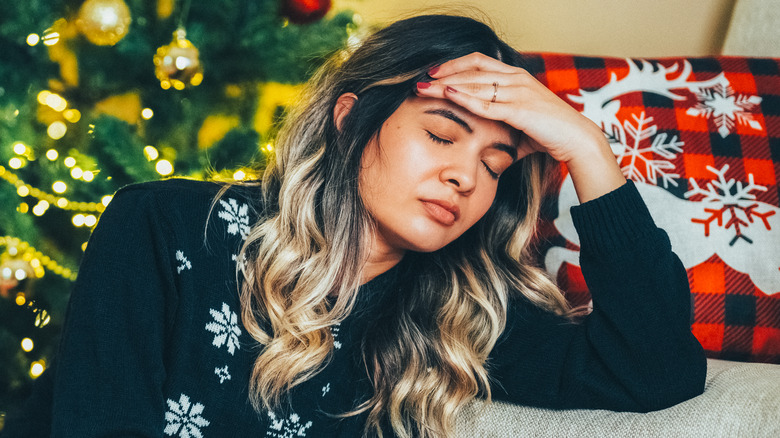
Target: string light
[[33, 39], [20, 149], [239, 175], [50, 37], [72, 115], [81, 220], [56, 102], [42, 318], [27, 344], [42, 96], [147, 113], [37, 260], [16, 163], [20, 274], [59, 187], [151, 153], [164, 167], [52, 154], [37, 368], [57, 130], [40, 208], [23, 189]]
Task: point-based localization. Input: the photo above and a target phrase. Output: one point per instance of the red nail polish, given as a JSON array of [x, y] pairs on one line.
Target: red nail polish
[[423, 85], [433, 70], [451, 90]]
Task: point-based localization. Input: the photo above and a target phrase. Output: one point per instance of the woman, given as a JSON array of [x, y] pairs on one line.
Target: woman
[[384, 267]]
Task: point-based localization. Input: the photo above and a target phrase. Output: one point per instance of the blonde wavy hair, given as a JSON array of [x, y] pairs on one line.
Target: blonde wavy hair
[[426, 354]]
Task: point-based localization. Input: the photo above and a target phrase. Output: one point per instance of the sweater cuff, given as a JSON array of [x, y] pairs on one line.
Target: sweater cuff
[[613, 221]]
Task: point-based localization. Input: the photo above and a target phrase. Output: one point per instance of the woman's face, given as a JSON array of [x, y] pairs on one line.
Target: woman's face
[[432, 173]]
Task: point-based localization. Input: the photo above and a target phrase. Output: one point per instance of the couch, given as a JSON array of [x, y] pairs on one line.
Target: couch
[[700, 137]]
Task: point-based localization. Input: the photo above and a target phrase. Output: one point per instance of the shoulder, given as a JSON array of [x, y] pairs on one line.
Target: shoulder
[[176, 189], [187, 195], [182, 204]]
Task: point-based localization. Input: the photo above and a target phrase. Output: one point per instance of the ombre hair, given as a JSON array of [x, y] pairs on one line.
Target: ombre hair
[[426, 351]]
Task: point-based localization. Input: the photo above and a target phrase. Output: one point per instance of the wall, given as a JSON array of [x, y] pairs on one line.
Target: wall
[[649, 28]]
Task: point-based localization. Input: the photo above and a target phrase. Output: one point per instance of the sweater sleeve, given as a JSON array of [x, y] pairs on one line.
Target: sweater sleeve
[[635, 350], [109, 372]]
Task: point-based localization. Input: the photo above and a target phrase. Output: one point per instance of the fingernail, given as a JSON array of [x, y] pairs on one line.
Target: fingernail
[[433, 70], [423, 85], [451, 90]]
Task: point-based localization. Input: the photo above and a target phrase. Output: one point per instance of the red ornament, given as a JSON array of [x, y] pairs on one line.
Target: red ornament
[[305, 11]]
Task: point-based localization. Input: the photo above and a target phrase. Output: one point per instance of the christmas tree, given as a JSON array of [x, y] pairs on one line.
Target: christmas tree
[[98, 94]]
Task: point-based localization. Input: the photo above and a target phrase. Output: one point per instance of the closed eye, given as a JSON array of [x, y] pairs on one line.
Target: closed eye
[[438, 139], [493, 174]]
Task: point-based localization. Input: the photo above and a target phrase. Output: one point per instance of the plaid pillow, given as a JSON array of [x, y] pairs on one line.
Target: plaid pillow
[[700, 137]]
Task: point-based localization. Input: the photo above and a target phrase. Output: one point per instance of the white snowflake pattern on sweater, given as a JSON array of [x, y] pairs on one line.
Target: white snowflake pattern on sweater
[[184, 418], [225, 328], [240, 261], [334, 329], [286, 427], [222, 373], [237, 217], [184, 262]]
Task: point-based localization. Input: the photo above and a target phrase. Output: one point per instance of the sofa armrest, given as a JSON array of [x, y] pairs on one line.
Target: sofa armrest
[[740, 399]]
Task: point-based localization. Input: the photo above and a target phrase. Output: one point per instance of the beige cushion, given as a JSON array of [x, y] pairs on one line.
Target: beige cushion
[[754, 29], [740, 400]]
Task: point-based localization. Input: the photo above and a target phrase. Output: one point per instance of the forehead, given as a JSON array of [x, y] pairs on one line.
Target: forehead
[[420, 108]]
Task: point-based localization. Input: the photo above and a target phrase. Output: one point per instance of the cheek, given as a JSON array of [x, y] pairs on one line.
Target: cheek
[[481, 203]]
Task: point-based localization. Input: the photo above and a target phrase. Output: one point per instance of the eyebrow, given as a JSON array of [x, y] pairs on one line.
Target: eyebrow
[[452, 116], [511, 150]]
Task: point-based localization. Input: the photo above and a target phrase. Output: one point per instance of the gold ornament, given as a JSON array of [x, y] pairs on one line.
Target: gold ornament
[[12, 272], [104, 22], [177, 65]]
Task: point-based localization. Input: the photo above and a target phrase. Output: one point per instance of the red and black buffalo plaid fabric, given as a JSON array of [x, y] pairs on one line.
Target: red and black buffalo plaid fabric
[[700, 137]]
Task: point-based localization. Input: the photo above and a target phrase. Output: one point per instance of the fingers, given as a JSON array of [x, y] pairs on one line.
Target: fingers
[[479, 105], [478, 76], [492, 92], [473, 61]]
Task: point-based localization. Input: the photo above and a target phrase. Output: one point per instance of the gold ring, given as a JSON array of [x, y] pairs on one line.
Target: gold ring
[[495, 91]]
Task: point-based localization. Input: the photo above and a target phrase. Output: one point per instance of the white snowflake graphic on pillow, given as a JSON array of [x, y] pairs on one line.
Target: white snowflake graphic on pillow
[[727, 108], [184, 418], [225, 328]]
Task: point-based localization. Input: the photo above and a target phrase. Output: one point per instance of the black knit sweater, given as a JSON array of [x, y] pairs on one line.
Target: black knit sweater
[[154, 345]]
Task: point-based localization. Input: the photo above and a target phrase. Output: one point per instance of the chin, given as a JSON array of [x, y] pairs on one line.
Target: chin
[[424, 243]]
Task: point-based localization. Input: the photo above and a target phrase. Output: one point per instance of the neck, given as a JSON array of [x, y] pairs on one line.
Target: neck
[[380, 260]]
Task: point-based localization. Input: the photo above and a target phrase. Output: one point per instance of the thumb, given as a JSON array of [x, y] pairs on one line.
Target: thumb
[[527, 147]]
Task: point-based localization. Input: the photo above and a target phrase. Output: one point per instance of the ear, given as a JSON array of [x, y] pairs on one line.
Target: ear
[[343, 106]]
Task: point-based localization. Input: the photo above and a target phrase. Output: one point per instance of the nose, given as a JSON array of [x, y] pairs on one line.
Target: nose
[[461, 175]]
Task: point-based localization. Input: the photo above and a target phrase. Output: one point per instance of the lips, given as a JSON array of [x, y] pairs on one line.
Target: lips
[[442, 211]]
